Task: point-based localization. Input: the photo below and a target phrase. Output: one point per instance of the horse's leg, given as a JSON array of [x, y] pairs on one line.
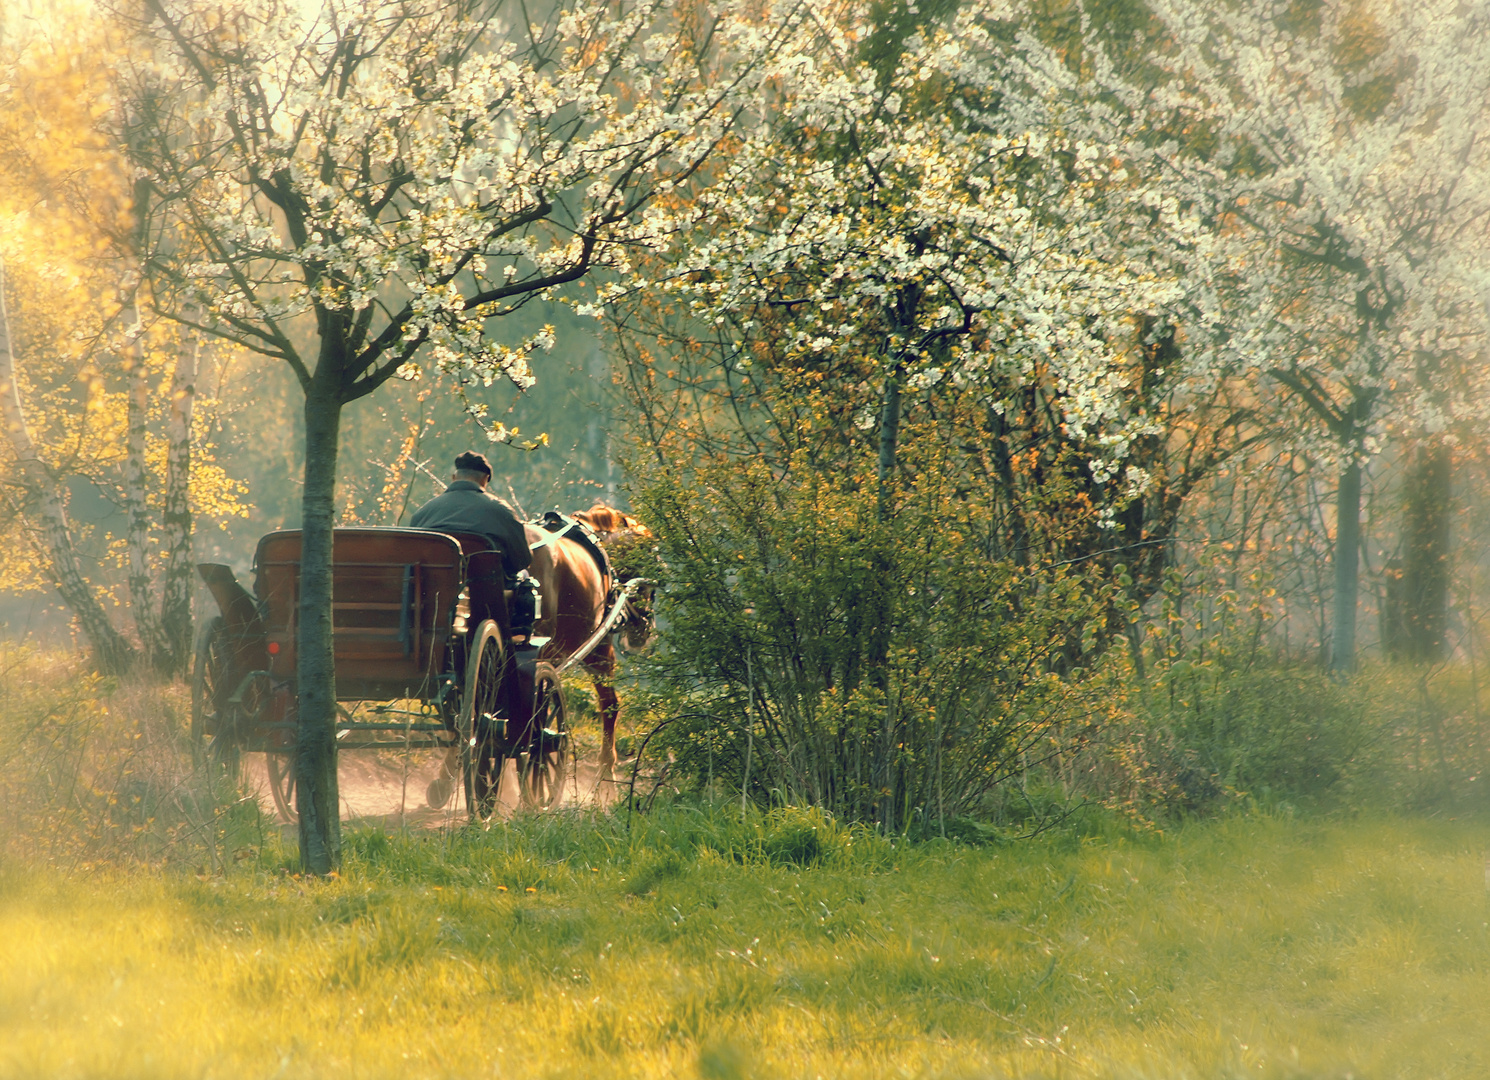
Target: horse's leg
[[610, 708]]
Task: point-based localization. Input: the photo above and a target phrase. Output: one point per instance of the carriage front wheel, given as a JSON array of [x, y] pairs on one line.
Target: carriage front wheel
[[477, 726], [543, 759]]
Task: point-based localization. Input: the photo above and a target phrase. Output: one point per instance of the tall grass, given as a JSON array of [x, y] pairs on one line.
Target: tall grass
[[95, 772]]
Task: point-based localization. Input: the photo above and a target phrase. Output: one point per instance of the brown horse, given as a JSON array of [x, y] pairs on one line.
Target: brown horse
[[575, 592]]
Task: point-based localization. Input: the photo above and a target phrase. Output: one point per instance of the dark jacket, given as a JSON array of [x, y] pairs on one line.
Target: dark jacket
[[466, 508]]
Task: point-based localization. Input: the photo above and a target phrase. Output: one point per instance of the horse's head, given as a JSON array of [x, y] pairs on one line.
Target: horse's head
[[627, 542], [638, 626], [613, 526]]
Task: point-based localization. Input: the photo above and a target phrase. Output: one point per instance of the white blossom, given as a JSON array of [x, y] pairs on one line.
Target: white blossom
[[452, 169]]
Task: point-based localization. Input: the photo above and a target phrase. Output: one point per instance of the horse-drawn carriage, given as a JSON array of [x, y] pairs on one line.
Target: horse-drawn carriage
[[425, 658]]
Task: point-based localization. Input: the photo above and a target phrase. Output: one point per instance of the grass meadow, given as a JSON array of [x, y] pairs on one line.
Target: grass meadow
[[152, 926], [698, 944]]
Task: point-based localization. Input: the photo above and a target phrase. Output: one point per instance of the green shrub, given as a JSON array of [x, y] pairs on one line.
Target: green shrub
[[889, 671], [1269, 733]]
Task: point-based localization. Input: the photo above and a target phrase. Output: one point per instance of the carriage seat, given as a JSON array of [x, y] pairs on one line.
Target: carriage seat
[[509, 600]]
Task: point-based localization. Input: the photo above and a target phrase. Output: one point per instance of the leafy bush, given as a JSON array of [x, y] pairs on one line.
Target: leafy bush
[[1428, 748], [800, 836], [886, 670], [1271, 733], [1215, 717]]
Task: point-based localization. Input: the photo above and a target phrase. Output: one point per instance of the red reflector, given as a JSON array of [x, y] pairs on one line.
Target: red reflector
[[274, 648]]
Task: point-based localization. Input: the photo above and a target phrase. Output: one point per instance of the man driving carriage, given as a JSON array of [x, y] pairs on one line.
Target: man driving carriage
[[468, 507]]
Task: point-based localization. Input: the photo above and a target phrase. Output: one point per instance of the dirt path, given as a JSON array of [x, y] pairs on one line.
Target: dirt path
[[388, 788]]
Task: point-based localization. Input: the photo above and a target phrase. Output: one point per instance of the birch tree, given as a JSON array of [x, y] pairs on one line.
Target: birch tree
[[52, 530], [83, 392]]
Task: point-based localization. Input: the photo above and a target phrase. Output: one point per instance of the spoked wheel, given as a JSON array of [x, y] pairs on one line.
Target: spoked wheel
[[282, 784], [479, 728], [251, 714], [214, 735], [543, 760]]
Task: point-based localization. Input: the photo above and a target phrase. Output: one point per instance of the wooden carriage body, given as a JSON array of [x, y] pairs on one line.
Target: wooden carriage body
[[423, 651], [395, 598]]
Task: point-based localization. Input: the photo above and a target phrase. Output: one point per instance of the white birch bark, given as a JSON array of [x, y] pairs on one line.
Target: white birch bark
[[52, 538], [177, 584], [136, 503]]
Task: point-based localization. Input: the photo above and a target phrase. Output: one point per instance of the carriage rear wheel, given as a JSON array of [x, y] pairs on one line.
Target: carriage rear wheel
[[282, 783], [214, 735], [481, 748], [543, 761], [250, 717]]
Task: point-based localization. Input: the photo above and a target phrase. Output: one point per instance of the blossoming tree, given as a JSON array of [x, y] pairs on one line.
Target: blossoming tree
[[360, 188], [954, 222], [922, 239], [1348, 144]]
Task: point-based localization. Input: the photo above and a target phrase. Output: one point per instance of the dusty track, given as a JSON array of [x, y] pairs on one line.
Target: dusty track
[[387, 788]]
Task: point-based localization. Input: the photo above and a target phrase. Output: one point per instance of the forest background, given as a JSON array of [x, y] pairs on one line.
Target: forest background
[[1015, 362]]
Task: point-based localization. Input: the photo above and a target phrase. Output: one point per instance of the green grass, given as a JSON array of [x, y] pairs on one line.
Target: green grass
[[696, 945]]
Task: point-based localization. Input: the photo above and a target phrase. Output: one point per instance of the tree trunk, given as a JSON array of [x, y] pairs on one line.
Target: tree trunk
[[112, 654], [137, 507], [880, 604], [1347, 569], [1394, 635], [178, 578], [317, 798], [889, 442], [1425, 562]]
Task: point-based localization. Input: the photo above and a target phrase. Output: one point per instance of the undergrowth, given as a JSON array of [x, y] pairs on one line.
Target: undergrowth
[[98, 772]]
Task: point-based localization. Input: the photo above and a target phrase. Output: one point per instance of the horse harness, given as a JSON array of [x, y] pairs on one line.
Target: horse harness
[[555, 525]]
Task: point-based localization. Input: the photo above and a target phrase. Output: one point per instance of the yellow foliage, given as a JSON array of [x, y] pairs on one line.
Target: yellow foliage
[[74, 293]]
